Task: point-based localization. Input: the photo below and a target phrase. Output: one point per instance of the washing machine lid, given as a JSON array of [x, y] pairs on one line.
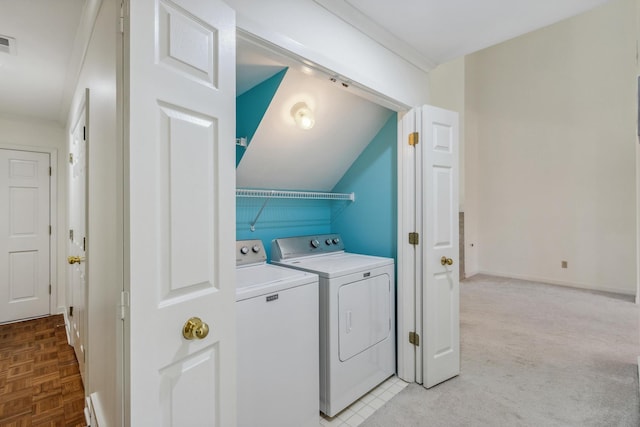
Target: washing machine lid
[[263, 279], [336, 264]]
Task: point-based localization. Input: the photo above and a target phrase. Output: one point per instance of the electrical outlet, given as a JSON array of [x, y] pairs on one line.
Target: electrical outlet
[[563, 264]]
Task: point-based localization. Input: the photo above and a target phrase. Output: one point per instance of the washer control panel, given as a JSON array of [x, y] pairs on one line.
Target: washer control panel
[[293, 247], [250, 252]]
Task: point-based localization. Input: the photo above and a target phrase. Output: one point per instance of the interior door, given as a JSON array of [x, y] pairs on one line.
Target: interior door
[[438, 190], [180, 212], [77, 260], [24, 235]]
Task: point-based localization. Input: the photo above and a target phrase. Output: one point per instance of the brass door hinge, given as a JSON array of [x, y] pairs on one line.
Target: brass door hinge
[[50, 230], [414, 138], [50, 170], [414, 339], [71, 311], [70, 234], [49, 288], [414, 238]]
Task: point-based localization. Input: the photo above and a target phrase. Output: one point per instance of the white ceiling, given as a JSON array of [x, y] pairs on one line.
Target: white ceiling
[[35, 82], [431, 32], [32, 82], [281, 156]]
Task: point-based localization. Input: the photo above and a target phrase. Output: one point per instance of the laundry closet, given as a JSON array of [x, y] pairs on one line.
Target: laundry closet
[[318, 155], [316, 191]]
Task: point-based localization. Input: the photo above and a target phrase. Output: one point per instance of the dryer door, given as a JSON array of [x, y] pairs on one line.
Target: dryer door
[[364, 314]]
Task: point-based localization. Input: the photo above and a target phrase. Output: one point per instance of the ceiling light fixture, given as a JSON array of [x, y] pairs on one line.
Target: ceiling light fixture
[[303, 116]]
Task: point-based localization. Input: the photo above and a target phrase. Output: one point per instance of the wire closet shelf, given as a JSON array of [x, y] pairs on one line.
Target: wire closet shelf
[[286, 194]]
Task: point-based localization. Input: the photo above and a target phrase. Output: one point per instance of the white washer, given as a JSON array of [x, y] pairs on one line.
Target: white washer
[[277, 342], [357, 315]]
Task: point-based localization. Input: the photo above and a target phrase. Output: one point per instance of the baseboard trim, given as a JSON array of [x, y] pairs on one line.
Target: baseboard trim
[[470, 274], [67, 324], [94, 408], [558, 282], [89, 415]]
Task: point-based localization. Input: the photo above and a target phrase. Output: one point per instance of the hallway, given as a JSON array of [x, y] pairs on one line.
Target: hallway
[[39, 379]]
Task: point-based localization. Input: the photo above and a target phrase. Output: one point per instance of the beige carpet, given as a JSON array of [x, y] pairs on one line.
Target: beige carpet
[[532, 355]]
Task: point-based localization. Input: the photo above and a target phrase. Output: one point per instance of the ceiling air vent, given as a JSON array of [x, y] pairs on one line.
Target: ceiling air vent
[[7, 45]]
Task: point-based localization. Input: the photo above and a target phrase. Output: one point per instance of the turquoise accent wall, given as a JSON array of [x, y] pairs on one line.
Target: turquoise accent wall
[[369, 225], [251, 107], [281, 218]]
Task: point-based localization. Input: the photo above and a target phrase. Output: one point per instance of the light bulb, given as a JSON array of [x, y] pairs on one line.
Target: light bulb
[[303, 116]]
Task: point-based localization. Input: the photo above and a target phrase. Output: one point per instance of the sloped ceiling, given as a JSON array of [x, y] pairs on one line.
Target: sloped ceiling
[[282, 156]]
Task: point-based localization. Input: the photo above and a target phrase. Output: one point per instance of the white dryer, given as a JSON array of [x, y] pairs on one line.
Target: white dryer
[[357, 315], [277, 342]]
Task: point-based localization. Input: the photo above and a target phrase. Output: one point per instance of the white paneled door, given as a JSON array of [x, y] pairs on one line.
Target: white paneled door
[[429, 289], [24, 235], [438, 179], [180, 208], [77, 244]]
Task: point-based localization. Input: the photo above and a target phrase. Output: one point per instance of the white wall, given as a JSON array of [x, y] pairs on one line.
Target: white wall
[[36, 134], [310, 31], [447, 89], [552, 117], [104, 236]]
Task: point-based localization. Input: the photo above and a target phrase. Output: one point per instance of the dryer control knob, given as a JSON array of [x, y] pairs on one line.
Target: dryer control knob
[[336, 241], [315, 243], [328, 242], [244, 250], [255, 249]]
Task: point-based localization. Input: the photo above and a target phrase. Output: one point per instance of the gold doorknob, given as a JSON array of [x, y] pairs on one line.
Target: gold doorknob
[[446, 261], [74, 259], [195, 328]]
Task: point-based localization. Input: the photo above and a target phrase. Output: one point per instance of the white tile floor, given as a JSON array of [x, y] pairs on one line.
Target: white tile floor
[[355, 414]]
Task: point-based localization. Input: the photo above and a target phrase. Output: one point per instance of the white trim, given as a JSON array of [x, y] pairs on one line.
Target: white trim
[[405, 312], [67, 324], [53, 238], [565, 283], [53, 215], [470, 273], [94, 411], [372, 29], [78, 54]]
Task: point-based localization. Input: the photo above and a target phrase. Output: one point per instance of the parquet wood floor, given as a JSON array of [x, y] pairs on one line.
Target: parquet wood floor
[[40, 384]]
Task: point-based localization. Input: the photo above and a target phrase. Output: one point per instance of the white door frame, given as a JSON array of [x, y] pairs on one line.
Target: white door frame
[[405, 288], [406, 253], [82, 112], [53, 218]]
